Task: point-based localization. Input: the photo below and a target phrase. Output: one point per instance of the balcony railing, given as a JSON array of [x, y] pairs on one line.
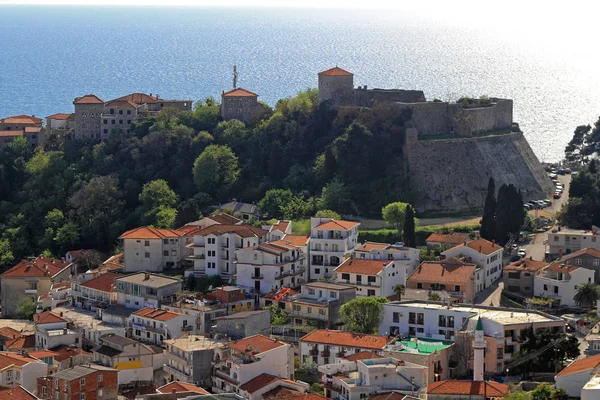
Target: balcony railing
[[254, 276], [314, 352], [175, 369], [325, 353], [187, 328]]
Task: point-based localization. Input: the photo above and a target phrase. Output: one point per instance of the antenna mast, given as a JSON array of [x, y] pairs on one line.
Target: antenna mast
[[235, 76]]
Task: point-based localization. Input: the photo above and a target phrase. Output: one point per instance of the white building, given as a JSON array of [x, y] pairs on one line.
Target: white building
[[241, 361], [574, 377], [371, 277], [279, 230], [488, 257], [214, 248], [270, 266], [135, 361], [189, 358], [152, 250], [154, 325], [21, 370], [591, 390], [560, 281], [330, 242], [96, 292], [364, 374], [57, 296], [406, 259], [146, 290], [321, 346], [51, 331], [565, 241]]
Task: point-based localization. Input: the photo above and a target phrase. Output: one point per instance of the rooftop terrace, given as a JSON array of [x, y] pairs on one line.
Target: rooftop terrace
[[418, 346]]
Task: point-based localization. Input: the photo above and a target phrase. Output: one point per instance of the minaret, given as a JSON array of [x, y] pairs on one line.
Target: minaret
[[478, 349]]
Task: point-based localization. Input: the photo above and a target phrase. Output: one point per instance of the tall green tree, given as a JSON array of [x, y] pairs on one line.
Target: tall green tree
[[216, 170], [587, 295], [399, 291], [26, 308], [363, 314], [575, 150], [410, 239], [158, 201], [395, 214], [488, 221], [274, 201]]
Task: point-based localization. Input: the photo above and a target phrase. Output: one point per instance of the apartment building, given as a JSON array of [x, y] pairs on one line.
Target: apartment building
[[488, 257], [237, 363], [330, 242], [133, 360], [270, 266], [453, 279], [90, 325], [146, 290], [215, 246], [57, 296], [370, 277], [405, 259], [563, 241], [443, 322], [51, 330], [356, 378], [278, 230], [518, 276], [31, 278], [154, 325], [321, 346], [99, 292], [21, 370], [560, 281], [27, 126], [152, 250], [82, 382], [587, 258], [69, 356], [189, 358], [243, 324]]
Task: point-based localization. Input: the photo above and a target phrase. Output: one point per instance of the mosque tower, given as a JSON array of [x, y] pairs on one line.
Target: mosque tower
[[479, 350]]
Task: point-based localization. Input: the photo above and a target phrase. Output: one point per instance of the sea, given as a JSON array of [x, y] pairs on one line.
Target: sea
[[51, 54]]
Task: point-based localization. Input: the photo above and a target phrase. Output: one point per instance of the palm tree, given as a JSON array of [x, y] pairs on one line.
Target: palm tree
[[433, 296], [587, 295], [399, 291]]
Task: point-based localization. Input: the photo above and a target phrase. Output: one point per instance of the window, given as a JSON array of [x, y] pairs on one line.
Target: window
[[311, 291], [596, 262], [113, 122], [370, 292], [317, 271], [173, 253], [411, 317], [420, 318], [165, 241], [112, 110], [419, 285], [105, 122], [65, 386], [147, 243], [396, 317], [514, 275], [105, 131], [121, 112], [128, 122], [82, 381], [166, 253], [211, 240], [128, 112], [18, 375], [499, 353], [346, 276], [121, 121], [578, 261], [442, 321], [56, 383], [371, 279], [100, 392], [450, 322], [146, 255], [333, 295], [321, 311], [44, 390], [309, 310], [82, 396], [555, 289], [9, 374], [545, 287]]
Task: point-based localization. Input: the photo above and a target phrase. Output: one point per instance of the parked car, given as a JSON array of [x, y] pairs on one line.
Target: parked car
[[522, 252], [574, 173], [557, 195], [555, 181], [553, 176], [548, 202], [527, 206]]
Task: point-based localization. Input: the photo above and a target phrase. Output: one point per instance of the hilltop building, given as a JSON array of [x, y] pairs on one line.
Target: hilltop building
[[27, 126]]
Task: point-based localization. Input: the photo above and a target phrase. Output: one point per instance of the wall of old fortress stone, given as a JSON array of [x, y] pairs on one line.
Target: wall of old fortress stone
[[451, 175]]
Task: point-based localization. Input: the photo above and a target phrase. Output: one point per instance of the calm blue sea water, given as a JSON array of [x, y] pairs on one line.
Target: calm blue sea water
[[49, 55]]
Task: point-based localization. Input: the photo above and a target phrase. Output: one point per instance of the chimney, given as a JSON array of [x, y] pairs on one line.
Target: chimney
[[146, 277], [61, 314], [531, 258], [480, 249]]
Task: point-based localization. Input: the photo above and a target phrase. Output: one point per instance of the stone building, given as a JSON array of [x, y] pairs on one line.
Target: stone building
[[27, 126], [240, 104]]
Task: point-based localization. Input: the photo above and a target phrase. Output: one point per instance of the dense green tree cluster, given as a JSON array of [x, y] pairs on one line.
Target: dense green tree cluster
[[502, 216], [363, 314], [583, 209], [300, 159]]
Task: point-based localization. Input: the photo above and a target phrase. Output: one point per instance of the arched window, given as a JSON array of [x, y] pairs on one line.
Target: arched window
[[83, 115]]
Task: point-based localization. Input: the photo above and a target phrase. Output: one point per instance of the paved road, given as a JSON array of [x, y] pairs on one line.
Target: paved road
[[490, 295]]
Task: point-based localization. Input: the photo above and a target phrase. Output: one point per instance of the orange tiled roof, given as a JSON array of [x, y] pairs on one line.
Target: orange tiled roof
[[7, 358], [558, 266], [11, 133], [362, 266], [258, 343], [64, 352], [453, 238], [239, 92], [336, 71], [138, 98], [387, 396], [284, 393], [586, 251], [178, 387], [280, 225], [16, 393], [22, 119], [114, 262], [368, 246], [258, 382], [9, 332], [526, 264], [21, 343], [583, 364], [296, 240], [225, 219], [103, 283], [59, 116], [88, 99], [40, 266], [240, 230], [451, 271], [48, 317], [347, 339], [42, 354], [480, 245], [363, 355], [457, 388], [121, 103], [147, 232], [157, 314], [337, 224], [33, 129]]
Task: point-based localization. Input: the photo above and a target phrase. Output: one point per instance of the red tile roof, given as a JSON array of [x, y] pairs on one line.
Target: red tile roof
[[586, 251], [21, 120], [558, 266], [336, 71], [39, 267], [156, 314], [114, 262], [451, 271], [347, 339], [16, 393], [388, 396], [481, 246], [281, 226], [240, 230], [9, 332], [259, 382], [178, 387], [464, 388], [283, 393], [239, 92], [7, 359], [103, 283], [88, 99], [525, 264], [59, 116], [362, 266], [21, 343], [147, 232], [225, 219], [33, 129], [42, 354], [11, 133], [258, 344], [582, 364], [121, 103], [337, 224], [296, 240], [138, 98], [64, 352], [363, 355], [48, 317], [453, 238], [368, 246]]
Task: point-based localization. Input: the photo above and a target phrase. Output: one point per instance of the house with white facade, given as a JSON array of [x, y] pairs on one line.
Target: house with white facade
[[405, 259], [154, 325], [452, 279], [237, 363], [560, 281], [21, 370], [146, 290], [90, 325], [279, 230], [487, 255], [56, 297], [263, 385], [51, 330], [189, 358], [270, 266], [330, 242], [563, 241], [320, 347], [371, 277], [99, 292], [132, 359], [577, 374], [356, 378], [152, 250], [214, 248]]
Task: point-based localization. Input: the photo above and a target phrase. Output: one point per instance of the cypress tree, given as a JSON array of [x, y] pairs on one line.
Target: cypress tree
[[503, 212], [488, 221], [409, 227]]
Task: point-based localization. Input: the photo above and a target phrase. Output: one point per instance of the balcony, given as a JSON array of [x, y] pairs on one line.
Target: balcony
[[298, 271], [30, 291], [325, 353], [196, 257], [340, 354], [314, 352], [177, 358], [187, 328], [254, 276], [224, 374], [174, 370]]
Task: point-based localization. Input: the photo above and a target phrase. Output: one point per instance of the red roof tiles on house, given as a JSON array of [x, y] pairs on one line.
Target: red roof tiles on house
[[281, 226], [464, 388], [240, 230], [362, 266], [7, 359], [258, 382], [363, 355], [48, 317], [255, 344], [156, 314], [337, 224], [9, 332], [88, 99], [64, 352], [583, 364], [33, 129], [42, 354], [225, 219], [239, 92], [346, 339], [481, 246], [525, 264], [138, 98], [558, 266], [147, 232], [296, 240], [336, 71], [22, 120], [449, 271], [103, 283], [453, 238], [39, 267], [16, 393], [369, 246], [178, 387], [21, 343], [587, 251], [59, 116]]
